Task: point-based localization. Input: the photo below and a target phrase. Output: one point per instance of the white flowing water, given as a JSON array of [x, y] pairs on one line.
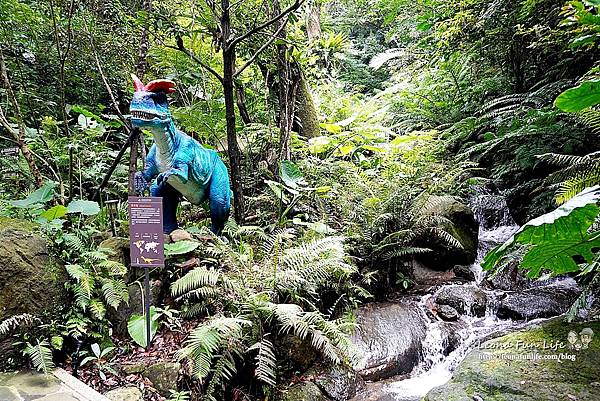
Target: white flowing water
[[435, 368]]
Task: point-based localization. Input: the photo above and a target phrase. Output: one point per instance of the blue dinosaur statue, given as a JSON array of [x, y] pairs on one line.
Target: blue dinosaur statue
[[181, 165]]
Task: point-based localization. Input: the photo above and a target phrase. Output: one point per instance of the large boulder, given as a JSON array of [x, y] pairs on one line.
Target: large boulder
[[31, 280], [466, 299], [488, 374], [389, 339], [537, 302], [462, 226]]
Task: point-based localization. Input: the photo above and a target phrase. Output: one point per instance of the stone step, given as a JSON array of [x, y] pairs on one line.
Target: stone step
[[57, 386]]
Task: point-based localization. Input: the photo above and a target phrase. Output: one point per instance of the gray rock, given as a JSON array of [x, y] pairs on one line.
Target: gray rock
[[510, 278], [339, 382], [31, 281], [447, 312], [125, 394], [306, 391], [464, 272], [163, 376], [389, 339], [536, 302], [467, 299]]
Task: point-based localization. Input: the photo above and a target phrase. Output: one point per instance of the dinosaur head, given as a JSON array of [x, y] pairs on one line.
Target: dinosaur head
[[149, 107]]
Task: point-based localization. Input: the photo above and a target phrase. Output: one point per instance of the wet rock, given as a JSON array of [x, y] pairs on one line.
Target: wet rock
[[485, 375], [31, 281], [181, 235], [389, 339], [163, 376], [306, 391], [423, 275], [446, 312], [463, 227], [510, 278], [536, 302], [466, 299], [125, 394], [464, 272], [454, 333], [339, 382], [300, 353]]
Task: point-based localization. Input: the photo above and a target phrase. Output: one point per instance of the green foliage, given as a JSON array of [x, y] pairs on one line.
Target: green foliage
[[280, 297], [136, 327], [40, 355], [581, 97], [556, 238], [180, 247]]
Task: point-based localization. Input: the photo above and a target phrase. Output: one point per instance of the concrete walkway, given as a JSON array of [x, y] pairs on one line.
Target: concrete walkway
[[58, 386]]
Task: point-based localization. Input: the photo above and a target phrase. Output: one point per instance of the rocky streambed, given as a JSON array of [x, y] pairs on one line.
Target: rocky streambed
[[430, 345]]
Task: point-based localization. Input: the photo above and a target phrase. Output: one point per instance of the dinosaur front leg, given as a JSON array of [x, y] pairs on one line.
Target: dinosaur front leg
[[179, 170]]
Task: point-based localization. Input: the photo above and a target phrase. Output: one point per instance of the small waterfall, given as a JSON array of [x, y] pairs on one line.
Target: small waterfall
[[496, 225], [435, 369]]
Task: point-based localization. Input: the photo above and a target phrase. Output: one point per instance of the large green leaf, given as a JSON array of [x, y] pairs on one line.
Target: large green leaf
[[55, 212], [556, 238], [581, 97], [180, 247], [136, 327], [41, 195], [291, 174], [84, 207]]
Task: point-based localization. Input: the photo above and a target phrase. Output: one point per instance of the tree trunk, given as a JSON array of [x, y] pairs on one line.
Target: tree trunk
[[307, 112], [140, 68], [289, 78], [241, 104], [233, 149], [18, 135], [313, 20]]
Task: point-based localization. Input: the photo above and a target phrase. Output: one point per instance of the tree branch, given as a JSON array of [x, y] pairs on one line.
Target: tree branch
[[293, 7], [191, 55], [260, 50]]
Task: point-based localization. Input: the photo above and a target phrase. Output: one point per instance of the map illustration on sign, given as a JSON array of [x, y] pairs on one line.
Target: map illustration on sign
[[146, 237]]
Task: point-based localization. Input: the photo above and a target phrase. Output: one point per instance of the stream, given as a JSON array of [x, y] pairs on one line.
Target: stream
[[437, 360]]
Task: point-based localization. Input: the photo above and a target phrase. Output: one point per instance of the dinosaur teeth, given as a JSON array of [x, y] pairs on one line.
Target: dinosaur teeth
[[142, 115]]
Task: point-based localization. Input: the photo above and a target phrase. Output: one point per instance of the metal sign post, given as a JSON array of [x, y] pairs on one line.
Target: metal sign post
[[146, 242]]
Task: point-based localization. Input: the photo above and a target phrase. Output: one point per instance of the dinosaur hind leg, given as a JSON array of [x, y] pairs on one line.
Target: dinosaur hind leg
[[219, 198], [170, 201]]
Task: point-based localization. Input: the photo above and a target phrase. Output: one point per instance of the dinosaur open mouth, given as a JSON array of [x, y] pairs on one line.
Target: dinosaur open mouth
[[142, 115]]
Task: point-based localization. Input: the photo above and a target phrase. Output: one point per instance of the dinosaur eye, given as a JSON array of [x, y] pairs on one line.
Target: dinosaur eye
[[159, 97]]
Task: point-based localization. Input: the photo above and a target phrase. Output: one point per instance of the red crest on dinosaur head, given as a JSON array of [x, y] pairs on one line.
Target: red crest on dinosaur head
[[157, 85]]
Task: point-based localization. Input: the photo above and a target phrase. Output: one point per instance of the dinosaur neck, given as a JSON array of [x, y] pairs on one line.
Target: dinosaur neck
[[167, 139]]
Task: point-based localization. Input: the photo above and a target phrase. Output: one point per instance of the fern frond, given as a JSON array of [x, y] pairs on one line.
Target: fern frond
[[15, 321], [266, 362], [40, 355]]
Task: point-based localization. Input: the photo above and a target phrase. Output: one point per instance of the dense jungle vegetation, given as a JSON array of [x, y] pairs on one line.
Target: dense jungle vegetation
[[348, 128]]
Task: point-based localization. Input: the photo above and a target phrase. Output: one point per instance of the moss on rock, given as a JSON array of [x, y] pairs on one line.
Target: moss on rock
[[488, 374]]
